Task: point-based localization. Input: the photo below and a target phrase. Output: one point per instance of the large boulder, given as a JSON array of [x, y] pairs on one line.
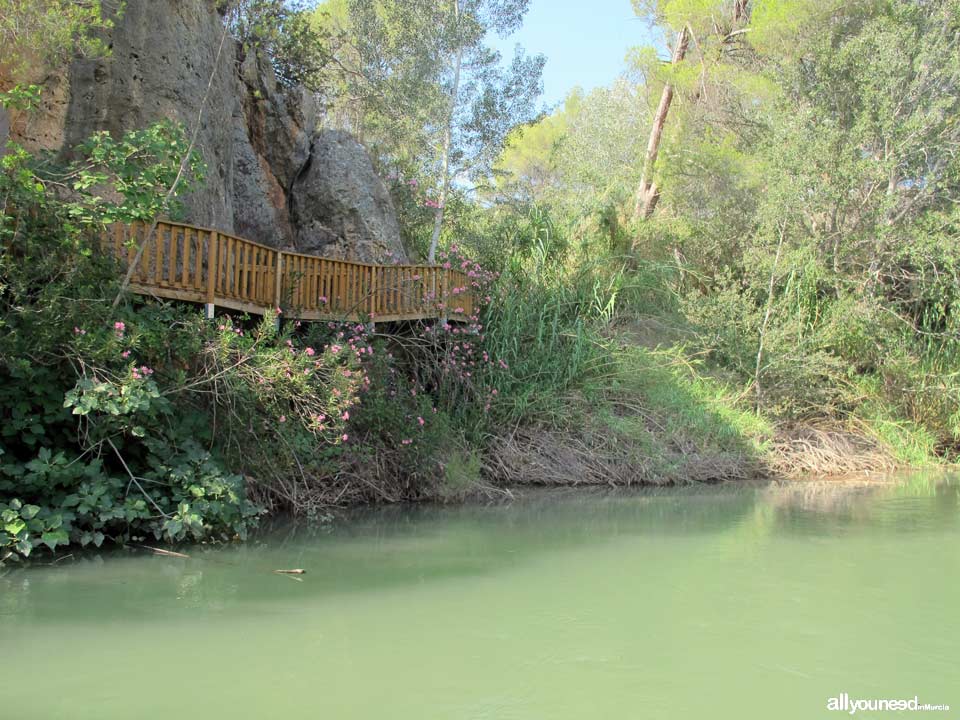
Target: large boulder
[[339, 207], [162, 56], [256, 137], [273, 127]]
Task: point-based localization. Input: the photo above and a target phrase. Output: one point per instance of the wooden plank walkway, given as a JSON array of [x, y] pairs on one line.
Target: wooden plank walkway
[[196, 264]]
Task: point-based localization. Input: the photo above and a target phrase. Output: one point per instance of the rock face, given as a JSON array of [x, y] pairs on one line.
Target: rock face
[[257, 138], [339, 207]]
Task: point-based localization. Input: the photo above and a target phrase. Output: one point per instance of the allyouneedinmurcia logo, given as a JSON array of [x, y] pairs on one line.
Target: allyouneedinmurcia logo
[[844, 703]]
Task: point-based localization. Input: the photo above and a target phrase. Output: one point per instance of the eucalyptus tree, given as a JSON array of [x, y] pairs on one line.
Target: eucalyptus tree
[[424, 90], [484, 99]]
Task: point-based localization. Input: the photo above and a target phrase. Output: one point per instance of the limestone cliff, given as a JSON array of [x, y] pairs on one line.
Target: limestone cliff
[[271, 176]]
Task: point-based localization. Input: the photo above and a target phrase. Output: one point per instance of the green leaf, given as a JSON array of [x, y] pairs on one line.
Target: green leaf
[[24, 547], [28, 512], [55, 537], [15, 527]]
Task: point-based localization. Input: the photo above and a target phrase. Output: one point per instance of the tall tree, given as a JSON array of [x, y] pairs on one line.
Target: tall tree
[[711, 25], [647, 192], [425, 91], [485, 101]]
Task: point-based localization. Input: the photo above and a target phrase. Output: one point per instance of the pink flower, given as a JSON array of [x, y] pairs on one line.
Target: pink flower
[[310, 352], [346, 415], [119, 327], [421, 421], [125, 354], [406, 442], [278, 311], [323, 299], [282, 418], [344, 437]]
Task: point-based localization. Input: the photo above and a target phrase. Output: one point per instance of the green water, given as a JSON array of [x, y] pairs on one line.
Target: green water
[[728, 602]]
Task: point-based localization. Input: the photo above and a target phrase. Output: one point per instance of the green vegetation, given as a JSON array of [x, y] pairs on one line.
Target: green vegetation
[[774, 289], [804, 236]]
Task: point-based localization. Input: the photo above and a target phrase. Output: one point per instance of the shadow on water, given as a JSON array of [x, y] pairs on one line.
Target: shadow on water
[[385, 549]]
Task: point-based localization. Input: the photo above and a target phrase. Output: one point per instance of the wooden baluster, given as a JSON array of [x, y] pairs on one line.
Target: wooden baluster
[[252, 250], [358, 302], [261, 273], [232, 280], [279, 280], [242, 249], [149, 252], [185, 271], [221, 285], [297, 280], [395, 282], [254, 273], [254, 254], [198, 260], [338, 289], [335, 284], [372, 290], [174, 232], [321, 284], [301, 280], [349, 286], [211, 273]]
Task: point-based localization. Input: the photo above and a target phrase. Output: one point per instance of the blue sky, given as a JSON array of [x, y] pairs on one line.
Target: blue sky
[[585, 41]]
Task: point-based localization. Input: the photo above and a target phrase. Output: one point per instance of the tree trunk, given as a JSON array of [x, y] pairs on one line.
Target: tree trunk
[[740, 10], [647, 192], [448, 132]]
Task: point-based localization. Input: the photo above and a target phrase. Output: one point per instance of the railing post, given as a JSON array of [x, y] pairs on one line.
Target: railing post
[[278, 286], [212, 268], [372, 290]]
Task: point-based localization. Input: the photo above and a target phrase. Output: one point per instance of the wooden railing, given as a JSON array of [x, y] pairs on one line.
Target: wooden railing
[[185, 262]]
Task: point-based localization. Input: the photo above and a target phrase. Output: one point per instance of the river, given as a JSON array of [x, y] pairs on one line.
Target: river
[[714, 602]]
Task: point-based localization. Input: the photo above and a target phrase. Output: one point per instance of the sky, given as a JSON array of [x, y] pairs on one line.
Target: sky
[[585, 42]]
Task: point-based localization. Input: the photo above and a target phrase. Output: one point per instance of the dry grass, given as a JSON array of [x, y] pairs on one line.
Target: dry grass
[[799, 451], [536, 456], [548, 457]]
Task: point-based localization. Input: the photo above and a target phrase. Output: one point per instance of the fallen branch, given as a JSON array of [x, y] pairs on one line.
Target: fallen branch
[[165, 553]]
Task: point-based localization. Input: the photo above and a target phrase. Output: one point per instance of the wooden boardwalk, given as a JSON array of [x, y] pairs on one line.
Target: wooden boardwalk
[[195, 264]]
